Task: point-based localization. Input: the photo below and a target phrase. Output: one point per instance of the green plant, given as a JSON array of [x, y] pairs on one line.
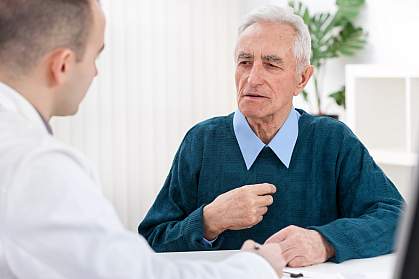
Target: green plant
[[332, 36]]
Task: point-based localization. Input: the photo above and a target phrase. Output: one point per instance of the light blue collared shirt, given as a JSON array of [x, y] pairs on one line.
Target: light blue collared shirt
[[282, 144]]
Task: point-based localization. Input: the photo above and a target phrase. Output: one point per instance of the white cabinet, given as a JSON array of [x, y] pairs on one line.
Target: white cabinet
[[383, 111]]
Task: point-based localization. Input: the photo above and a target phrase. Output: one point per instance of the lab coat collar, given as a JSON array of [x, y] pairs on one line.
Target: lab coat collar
[[11, 100]]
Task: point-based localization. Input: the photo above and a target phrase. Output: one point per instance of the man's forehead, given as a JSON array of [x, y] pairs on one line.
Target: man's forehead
[[262, 52], [261, 41], [267, 33]]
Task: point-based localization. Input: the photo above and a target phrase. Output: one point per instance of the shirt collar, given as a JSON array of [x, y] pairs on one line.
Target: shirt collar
[[282, 144], [11, 100]]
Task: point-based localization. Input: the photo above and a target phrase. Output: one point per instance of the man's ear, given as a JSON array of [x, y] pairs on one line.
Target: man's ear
[[303, 78], [60, 64]]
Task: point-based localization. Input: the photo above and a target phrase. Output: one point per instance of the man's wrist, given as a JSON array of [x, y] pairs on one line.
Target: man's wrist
[[211, 229], [330, 251]]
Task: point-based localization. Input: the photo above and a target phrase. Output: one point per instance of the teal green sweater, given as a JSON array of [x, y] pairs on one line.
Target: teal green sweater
[[332, 186]]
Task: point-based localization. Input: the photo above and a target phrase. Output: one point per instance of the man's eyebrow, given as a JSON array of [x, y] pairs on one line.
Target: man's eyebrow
[[273, 59], [245, 55]]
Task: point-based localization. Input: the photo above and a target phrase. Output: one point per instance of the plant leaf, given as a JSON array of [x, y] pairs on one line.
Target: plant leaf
[[348, 41], [333, 35], [348, 10], [304, 93], [321, 38], [339, 97], [301, 10]]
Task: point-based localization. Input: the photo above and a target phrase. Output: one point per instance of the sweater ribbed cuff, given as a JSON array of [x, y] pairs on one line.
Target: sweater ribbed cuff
[[193, 231], [337, 239]]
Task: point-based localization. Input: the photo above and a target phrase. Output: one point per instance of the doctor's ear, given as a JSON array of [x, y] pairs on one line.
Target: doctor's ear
[[303, 79], [60, 65]]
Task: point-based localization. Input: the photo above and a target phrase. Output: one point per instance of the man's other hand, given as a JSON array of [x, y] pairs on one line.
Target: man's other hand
[[302, 247]]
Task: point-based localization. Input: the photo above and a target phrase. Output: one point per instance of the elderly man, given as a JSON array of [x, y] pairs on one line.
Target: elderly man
[[54, 223], [271, 172]]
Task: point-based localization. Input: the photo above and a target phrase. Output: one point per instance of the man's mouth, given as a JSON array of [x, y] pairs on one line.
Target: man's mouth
[[254, 95]]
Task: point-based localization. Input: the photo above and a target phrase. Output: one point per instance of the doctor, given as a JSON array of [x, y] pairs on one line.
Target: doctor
[[54, 222]]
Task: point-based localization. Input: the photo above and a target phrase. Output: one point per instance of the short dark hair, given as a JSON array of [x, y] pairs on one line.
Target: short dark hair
[[29, 29]]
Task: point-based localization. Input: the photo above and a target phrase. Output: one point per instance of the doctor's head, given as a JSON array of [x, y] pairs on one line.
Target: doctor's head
[[51, 46]]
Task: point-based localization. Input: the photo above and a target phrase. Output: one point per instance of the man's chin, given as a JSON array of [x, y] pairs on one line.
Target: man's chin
[[68, 112], [251, 112]]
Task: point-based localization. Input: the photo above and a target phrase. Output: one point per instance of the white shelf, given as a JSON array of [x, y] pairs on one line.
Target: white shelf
[[383, 111], [381, 71], [414, 98], [394, 158], [402, 176], [380, 112]]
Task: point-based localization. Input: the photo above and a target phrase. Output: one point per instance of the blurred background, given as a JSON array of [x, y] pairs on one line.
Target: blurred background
[[168, 64]]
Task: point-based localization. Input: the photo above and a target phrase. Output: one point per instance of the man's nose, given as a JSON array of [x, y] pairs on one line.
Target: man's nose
[[255, 75]]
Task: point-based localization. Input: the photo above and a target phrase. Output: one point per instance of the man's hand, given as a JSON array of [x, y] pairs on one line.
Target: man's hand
[[237, 209], [302, 247], [270, 252]]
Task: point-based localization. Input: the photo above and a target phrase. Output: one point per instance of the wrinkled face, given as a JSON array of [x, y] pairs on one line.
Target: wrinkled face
[[83, 72], [266, 78]]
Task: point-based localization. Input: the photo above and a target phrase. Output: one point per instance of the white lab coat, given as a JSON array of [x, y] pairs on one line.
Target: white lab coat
[[55, 223]]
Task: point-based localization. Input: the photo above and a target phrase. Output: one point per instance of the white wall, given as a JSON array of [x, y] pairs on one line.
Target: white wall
[[167, 65]]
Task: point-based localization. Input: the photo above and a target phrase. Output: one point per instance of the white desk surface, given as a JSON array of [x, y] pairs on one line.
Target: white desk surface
[[372, 268]]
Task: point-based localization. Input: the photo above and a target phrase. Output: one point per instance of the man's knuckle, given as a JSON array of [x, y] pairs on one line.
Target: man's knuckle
[[253, 219], [248, 218]]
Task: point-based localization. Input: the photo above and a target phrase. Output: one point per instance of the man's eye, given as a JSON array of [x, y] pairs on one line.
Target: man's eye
[[245, 62], [272, 65]]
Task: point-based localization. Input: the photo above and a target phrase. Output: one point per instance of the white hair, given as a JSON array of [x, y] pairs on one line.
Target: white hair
[[284, 15]]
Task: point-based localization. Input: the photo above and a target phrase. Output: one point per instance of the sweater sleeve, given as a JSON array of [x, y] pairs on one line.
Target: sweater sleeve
[[369, 205], [175, 220]]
